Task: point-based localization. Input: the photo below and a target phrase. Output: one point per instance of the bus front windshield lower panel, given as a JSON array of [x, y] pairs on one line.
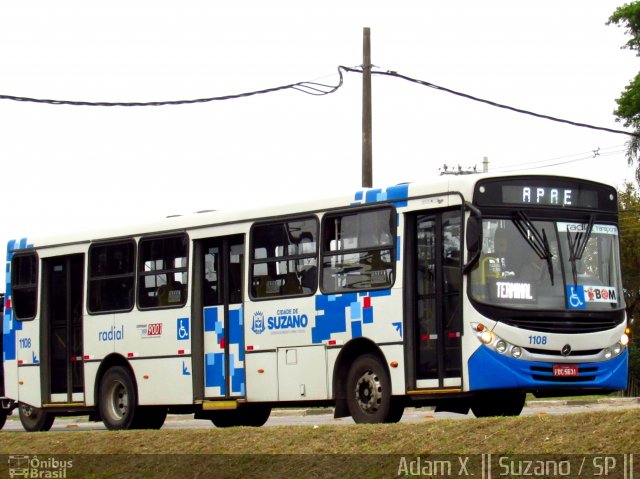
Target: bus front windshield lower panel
[[546, 265]]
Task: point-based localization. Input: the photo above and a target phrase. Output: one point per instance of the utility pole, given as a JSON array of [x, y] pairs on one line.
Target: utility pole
[[367, 150]]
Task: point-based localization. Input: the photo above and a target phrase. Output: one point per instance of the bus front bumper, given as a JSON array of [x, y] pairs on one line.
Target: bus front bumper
[[491, 370]]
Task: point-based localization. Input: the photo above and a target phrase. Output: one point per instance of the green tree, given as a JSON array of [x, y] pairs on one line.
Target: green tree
[[628, 111], [629, 207]]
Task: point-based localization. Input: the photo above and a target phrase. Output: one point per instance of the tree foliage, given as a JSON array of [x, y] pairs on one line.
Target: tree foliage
[[629, 208], [628, 111]]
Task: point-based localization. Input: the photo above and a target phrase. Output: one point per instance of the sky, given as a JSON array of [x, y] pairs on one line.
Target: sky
[[69, 168]]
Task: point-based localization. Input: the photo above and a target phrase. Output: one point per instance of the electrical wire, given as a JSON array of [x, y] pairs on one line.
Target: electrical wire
[[491, 103], [318, 89], [308, 87]]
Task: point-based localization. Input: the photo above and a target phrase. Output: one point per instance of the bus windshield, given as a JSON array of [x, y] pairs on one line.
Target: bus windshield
[[548, 265]]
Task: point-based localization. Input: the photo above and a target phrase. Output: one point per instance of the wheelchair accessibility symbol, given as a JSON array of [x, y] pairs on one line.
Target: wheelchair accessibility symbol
[[575, 297], [182, 329]]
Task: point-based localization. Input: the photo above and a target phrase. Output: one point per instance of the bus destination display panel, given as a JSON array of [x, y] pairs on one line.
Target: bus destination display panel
[[538, 191]]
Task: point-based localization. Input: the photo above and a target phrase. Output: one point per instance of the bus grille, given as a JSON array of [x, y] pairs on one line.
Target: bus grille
[[563, 325]]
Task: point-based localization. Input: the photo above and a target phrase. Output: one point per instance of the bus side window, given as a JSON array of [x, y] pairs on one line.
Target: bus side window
[[163, 272], [284, 258], [24, 284], [111, 277], [358, 250]]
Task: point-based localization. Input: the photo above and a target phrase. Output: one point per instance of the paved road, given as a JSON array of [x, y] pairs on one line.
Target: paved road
[[321, 416]]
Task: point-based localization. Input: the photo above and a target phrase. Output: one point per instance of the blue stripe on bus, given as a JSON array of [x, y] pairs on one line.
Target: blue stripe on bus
[[9, 324], [491, 370], [398, 192]]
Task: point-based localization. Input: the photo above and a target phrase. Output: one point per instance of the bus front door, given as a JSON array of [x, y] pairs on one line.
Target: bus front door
[[433, 301], [221, 271], [62, 292]]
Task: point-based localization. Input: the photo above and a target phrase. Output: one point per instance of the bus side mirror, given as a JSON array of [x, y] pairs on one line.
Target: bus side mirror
[[473, 237]]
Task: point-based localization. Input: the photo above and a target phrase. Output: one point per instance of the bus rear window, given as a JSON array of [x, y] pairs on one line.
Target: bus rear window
[[24, 286]]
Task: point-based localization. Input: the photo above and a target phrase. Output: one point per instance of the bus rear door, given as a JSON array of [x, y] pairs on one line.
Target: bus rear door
[[62, 293]]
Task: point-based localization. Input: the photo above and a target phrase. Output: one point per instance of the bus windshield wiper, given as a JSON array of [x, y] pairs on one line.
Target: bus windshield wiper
[[538, 241], [577, 245]]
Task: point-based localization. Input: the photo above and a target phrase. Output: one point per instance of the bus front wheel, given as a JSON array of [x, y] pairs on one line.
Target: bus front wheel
[[34, 419], [368, 390], [498, 403], [118, 399]]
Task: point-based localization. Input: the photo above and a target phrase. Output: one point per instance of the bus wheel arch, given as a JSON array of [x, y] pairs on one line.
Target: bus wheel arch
[[107, 363], [116, 398], [362, 384]]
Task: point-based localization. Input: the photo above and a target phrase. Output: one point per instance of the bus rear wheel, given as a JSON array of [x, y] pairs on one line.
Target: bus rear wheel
[[368, 390], [34, 419], [498, 403]]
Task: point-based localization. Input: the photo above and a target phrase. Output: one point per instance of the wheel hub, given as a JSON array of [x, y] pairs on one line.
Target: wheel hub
[[369, 392], [119, 400]]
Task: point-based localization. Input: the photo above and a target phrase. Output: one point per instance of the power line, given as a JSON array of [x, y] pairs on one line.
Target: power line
[[492, 103], [318, 89], [308, 87]]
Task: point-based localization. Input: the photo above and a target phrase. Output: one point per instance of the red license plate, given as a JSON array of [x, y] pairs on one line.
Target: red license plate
[[565, 370]]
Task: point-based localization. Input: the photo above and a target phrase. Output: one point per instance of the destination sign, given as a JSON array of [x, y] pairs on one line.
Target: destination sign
[[549, 196], [545, 191]]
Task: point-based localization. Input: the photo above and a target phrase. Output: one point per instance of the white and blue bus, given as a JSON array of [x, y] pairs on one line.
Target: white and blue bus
[[465, 293]]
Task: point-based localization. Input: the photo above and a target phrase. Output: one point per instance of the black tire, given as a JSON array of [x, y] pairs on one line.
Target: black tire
[[225, 418], [118, 400], [253, 415], [368, 390], [395, 411], [149, 417], [498, 403], [34, 419], [3, 418]]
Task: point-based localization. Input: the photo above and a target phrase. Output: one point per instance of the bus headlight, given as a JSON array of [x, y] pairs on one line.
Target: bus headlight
[[617, 349], [607, 353], [501, 346], [516, 352], [486, 337], [624, 339]]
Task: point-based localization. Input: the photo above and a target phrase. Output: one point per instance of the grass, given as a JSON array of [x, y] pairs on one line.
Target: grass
[[244, 451]]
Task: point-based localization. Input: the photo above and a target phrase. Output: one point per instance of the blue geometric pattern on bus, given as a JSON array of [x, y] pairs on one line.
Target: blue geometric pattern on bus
[[211, 323], [9, 324], [334, 317], [214, 371], [398, 192], [214, 362], [235, 331], [236, 337], [490, 370]]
